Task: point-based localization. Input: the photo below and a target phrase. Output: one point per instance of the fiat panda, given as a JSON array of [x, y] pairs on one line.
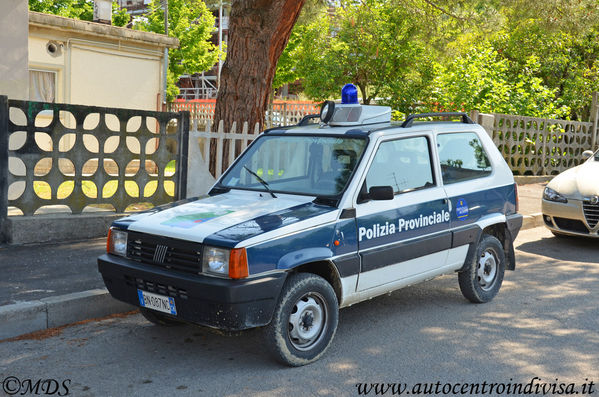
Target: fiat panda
[[320, 216]]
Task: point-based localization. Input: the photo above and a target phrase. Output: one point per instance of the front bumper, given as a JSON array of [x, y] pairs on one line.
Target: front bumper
[[568, 218], [225, 304]]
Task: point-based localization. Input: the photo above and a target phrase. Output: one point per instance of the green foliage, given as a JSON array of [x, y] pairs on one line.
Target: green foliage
[[193, 24], [366, 43], [120, 17], [77, 9], [288, 61], [528, 57], [481, 79]]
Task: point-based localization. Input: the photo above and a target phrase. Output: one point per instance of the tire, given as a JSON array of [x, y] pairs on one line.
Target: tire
[[159, 318], [305, 298], [481, 279]]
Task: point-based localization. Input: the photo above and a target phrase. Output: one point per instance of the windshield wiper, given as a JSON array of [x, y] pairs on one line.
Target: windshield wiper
[[262, 181]]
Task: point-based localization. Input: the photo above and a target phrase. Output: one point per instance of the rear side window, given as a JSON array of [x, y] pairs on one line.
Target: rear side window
[[462, 157], [403, 164]]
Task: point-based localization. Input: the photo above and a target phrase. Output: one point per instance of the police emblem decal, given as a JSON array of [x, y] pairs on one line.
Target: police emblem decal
[[461, 209]]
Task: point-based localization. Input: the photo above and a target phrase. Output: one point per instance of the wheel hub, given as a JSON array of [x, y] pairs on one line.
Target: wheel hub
[[487, 270], [306, 322]]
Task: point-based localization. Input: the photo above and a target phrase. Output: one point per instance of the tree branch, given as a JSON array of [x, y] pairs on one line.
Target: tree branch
[[444, 11]]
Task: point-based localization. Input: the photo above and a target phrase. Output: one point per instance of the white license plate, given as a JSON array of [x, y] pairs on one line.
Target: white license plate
[[162, 303]]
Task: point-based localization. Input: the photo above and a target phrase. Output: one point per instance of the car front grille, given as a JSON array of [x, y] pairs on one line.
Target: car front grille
[[591, 213], [571, 225], [165, 252], [158, 288]]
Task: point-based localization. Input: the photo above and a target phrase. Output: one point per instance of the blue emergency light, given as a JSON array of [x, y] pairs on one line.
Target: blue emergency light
[[349, 94]]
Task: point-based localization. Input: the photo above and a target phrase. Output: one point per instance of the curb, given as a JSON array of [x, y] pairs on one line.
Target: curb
[[532, 221], [65, 227], [26, 317], [530, 179]]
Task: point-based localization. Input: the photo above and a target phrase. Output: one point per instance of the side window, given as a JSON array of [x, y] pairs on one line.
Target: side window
[[462, 157], [404, 164]]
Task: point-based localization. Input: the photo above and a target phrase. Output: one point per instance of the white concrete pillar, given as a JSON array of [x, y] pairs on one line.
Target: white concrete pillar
[[14, 62]]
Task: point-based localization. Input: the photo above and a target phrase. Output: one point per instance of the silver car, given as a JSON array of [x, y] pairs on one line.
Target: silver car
[[571, 200]]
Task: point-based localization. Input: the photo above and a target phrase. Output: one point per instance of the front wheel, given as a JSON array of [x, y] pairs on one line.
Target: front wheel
[[482, 277], [304, 321]]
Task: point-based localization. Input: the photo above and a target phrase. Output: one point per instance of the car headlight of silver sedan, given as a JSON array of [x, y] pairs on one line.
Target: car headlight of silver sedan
[[551, 195]]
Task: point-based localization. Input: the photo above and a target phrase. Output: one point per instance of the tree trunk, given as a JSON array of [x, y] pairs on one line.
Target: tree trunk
[[258, 33]]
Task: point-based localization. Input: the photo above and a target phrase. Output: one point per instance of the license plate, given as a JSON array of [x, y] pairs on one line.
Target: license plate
[[162, 303]]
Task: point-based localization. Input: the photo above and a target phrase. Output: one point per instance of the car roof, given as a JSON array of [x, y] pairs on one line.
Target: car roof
[[378, 129]]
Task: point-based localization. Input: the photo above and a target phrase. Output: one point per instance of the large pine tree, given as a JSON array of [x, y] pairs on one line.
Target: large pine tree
[[258, 33]]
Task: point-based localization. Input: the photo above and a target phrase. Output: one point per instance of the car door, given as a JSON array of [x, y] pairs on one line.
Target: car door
[[408, 236]]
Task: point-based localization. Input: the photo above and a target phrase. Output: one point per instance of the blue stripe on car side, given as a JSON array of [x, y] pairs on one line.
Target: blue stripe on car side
[[500, 200]]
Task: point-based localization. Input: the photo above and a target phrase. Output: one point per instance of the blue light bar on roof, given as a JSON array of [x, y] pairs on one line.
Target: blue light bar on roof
[[349, 94]]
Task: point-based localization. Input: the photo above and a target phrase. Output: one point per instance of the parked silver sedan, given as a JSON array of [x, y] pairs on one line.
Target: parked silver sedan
[[571, 200]]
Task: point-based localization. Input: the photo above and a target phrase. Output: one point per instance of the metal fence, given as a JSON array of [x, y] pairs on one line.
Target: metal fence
[[536, 146], [279, 113], [79, 156]]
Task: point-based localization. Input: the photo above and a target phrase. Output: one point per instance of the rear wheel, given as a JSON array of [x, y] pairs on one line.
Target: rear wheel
[[159, 318], [304, 321], [481, 279]]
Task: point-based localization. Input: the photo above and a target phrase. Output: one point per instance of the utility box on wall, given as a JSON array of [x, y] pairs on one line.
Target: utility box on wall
[[103, 11]]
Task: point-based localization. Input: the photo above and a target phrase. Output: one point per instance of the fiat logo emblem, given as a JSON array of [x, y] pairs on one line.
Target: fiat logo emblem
[[595, 200]]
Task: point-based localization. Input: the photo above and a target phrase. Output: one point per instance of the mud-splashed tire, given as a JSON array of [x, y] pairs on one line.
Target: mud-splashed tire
[[481, 279], [304, 321], [158, 318]]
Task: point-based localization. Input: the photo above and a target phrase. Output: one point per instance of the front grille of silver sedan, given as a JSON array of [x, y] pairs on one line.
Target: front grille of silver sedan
[[591, 213]]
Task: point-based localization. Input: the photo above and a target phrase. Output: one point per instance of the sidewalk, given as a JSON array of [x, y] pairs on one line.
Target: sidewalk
[[48, 285]]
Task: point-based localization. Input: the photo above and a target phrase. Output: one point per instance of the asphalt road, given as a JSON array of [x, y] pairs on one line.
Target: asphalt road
[[544, 323], [37, 271]]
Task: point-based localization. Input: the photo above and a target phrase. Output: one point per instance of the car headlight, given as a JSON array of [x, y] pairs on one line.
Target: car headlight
[[224, 262], [216, 261], [117, 242], [551, 195]]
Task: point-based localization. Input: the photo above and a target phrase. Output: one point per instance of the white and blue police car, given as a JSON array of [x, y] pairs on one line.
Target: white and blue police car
[[319, 216]]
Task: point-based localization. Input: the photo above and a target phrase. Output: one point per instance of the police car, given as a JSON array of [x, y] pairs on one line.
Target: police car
[[320, 216]]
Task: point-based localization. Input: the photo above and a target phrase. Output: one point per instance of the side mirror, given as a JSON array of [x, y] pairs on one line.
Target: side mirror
[[586, 154], [381, 193]]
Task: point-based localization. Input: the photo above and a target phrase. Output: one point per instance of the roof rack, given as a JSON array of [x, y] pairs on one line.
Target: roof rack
[[410, 119], [306, 119]]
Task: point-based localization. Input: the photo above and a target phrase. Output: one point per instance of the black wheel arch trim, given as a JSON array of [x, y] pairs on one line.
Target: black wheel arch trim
[[510, 230]]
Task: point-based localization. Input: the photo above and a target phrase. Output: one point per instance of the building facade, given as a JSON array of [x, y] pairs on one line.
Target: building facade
[[87, 63]]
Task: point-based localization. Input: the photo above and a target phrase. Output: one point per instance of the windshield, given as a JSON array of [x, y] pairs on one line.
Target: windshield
[[315, 166]]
